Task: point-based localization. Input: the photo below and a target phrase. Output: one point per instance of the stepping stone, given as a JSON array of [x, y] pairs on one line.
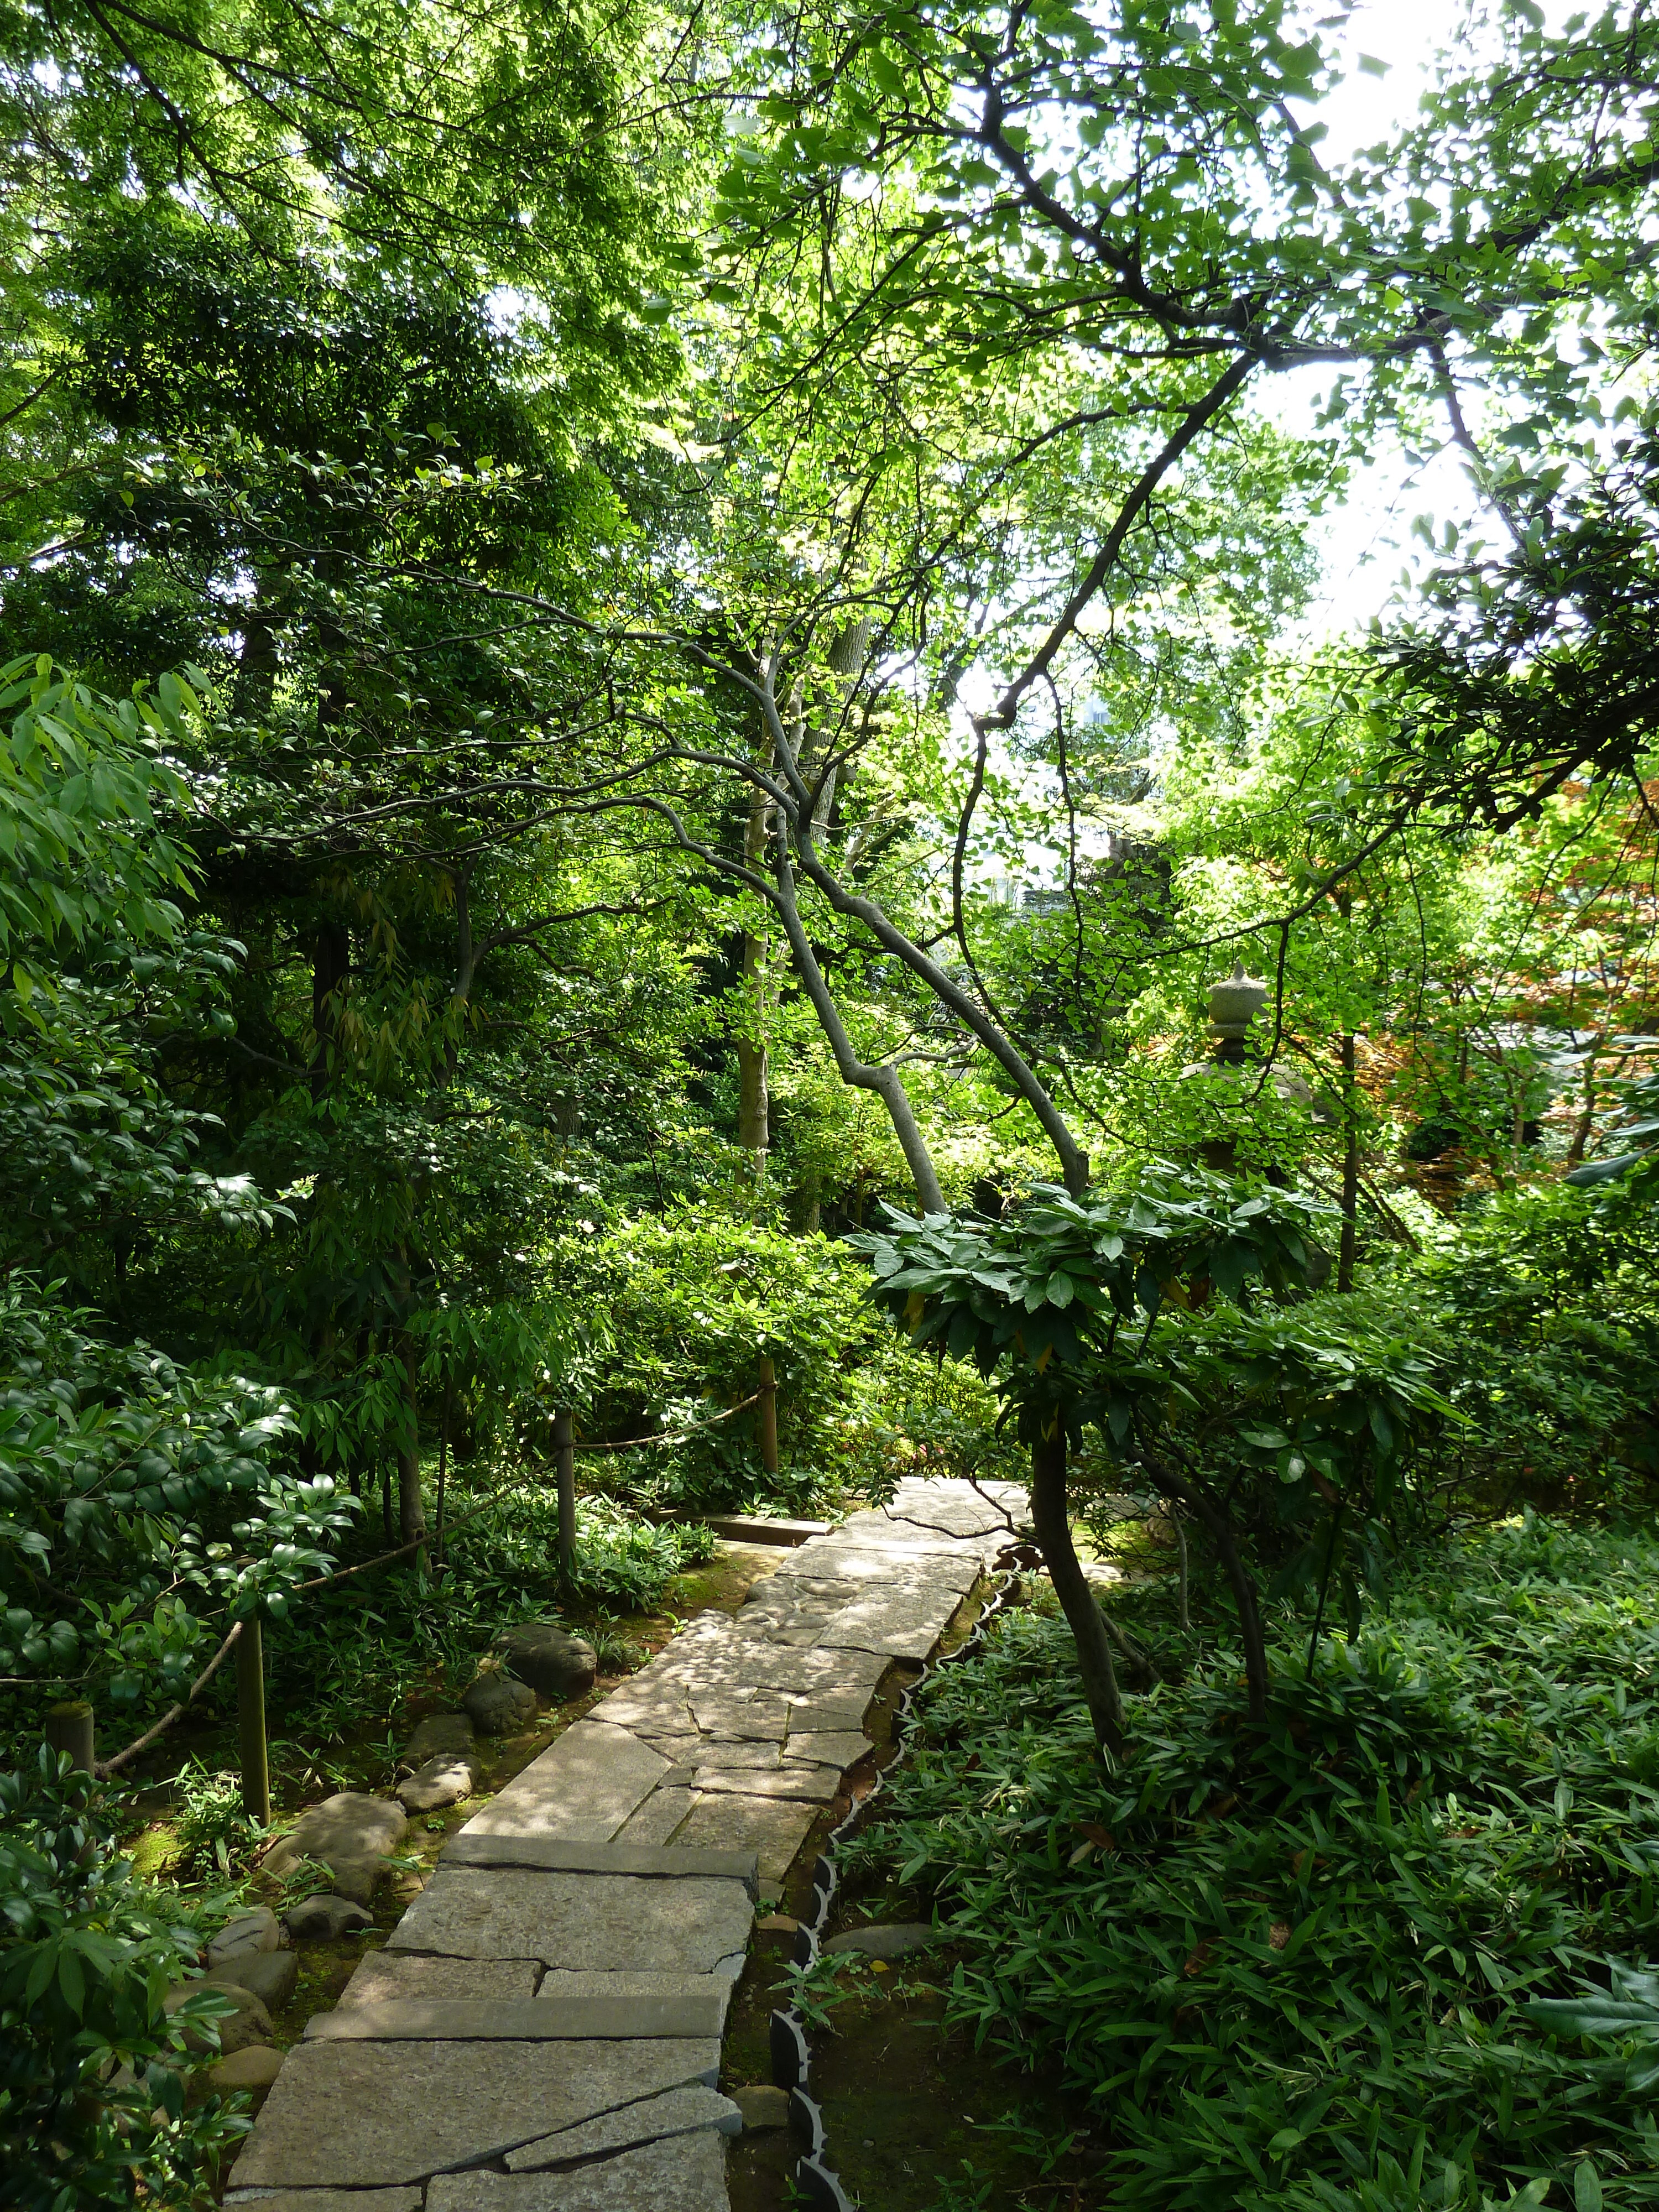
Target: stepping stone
[[469, 1849], [881, 1561], [355, 2115], [763, 2109], [817, 1785], [583, 1787], [757, 1755], [389, 1977], [248, 1932], [675, 1749], [894, 1621], [757, 1528], [246, 2022], [697, 2008], [895, 1939], [444, 1779], [497, 1705], [605, 1920], [438, 1734], [251, 2073], [565, 1983], [773, 1827], [913, 1504], [685, 2173], [270, 1975], [350, 1834], [541, 1653], [729, 1712], [328, 1916], [841, 1748], [655, 1820], [654, 1707], [650, 2121]]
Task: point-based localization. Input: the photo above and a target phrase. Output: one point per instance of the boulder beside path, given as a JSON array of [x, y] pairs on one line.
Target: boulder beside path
[[555, 1663], [350, 1834]]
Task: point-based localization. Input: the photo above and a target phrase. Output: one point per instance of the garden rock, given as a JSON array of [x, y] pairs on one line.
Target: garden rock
[[762, 2108], [552, 1661], [271, 1975], [326, 1915], [498, 1705], [441, 1781], [247, 1935], [252, 2072], [350, 1834], [893, 1941], [249, 2023], [446, 1733]]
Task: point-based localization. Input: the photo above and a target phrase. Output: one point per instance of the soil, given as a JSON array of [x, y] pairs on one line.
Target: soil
[[915, 2119]]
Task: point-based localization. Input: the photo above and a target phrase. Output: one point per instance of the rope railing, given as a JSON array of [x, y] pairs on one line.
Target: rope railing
[[103, 1767]]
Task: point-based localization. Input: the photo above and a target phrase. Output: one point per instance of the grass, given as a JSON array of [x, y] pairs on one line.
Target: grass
[[1294, 1970]]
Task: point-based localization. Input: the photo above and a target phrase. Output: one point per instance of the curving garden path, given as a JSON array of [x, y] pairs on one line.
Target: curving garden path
[[541, 2030]]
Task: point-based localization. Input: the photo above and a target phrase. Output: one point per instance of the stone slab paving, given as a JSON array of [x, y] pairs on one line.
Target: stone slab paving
[[541, 2033], [680, 2112]]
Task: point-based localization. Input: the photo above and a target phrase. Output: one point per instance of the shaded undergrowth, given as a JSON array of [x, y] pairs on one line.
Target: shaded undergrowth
[[1294, 1969]]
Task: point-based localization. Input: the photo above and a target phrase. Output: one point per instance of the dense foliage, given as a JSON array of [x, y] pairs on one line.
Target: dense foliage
[[92, 2093], [1341, 1964], [651, 664]]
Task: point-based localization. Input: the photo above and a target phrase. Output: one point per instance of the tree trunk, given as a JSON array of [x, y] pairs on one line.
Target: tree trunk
[[331, 966], [1584, 1126], [1350, 1171], [1240, 1580], [766, 1416], [885, 1082], [753, 1132], [1077, 1600], [412, 1517], [564, 1462]]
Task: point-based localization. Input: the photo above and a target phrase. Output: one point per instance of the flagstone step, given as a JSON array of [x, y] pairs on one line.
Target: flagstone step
[[541, 2030]]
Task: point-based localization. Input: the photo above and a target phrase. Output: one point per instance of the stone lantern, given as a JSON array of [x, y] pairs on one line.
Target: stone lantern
[[1235, 1002]]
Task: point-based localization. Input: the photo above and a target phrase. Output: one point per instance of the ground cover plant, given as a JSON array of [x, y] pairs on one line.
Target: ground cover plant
[[1392, 1948]]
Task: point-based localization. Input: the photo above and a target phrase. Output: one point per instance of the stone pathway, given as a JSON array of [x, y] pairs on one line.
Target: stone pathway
[[541, 2030]]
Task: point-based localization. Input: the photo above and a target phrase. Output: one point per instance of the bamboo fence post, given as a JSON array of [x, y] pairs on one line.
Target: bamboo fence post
[[766, 1420], [564, 1451], [251, 1719], [69, 1726]]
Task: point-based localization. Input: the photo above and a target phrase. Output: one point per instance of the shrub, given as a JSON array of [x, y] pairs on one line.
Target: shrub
[[92, 2107], [693, 1303]]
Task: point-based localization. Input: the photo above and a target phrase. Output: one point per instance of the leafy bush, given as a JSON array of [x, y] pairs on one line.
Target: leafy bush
[[346, 1664], [211, 1818], [1314, 1969], [92, 2106], [693, 1303], [510, 1565], [1543, 1312], [132, 1490]]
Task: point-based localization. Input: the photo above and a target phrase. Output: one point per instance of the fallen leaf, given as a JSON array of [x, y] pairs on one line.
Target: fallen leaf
[[1198, 1958], [1279, 1934]]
